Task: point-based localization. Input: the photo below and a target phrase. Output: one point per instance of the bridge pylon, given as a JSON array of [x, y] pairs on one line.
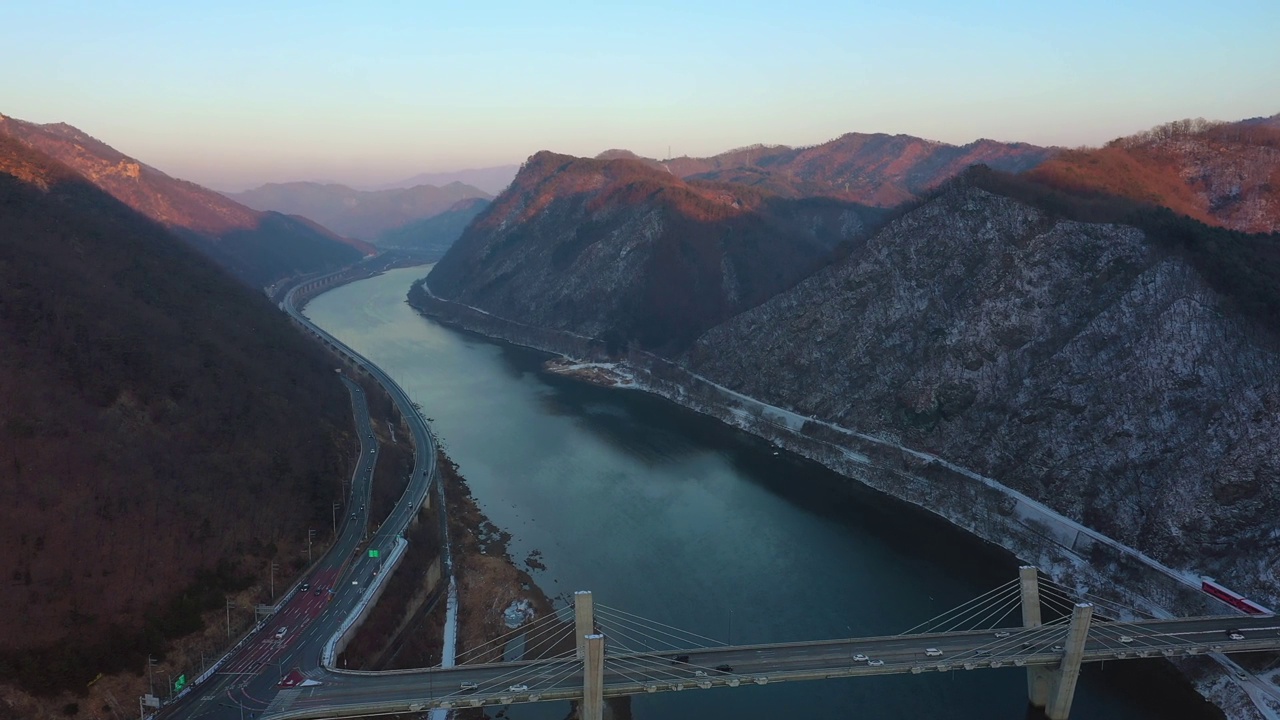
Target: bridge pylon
[[593, 679], [584, 620], [1038, 679], [1065, 677]]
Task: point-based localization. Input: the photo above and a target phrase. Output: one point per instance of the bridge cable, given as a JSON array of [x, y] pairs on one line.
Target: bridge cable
[[938, 619], [616, 611], [632, 625]]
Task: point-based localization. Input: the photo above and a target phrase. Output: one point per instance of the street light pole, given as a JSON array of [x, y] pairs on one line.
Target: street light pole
[[310, 534], [229, 606], [273, 581], [335, 518]]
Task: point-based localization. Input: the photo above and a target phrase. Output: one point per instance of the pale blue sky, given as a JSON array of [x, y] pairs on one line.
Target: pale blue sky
[[232, 93]]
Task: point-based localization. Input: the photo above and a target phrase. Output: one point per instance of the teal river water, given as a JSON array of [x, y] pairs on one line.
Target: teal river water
[[671, 515]]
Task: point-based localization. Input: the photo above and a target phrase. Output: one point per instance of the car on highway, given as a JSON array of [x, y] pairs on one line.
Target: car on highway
[[859, 657], [982, 651], [1057, 648], [875, 663], [305, 587], [469, 687], [679, 659], [699, 673], [518, 688], [318, 591], [280, 632], [932, 652], [1002, 634], [724, 669], [1125, 639], [1235, 635]]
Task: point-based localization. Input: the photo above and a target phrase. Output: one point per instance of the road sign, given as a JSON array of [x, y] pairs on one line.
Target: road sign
[[180, 683], [373, 553]]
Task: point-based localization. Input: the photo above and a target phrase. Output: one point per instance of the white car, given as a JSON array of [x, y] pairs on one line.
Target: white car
[[875, 663], [1002, 634], [1125, 639], [932, 652], [1235, 635], [469, 687], [518, 688], [860, 658], [280, 632]]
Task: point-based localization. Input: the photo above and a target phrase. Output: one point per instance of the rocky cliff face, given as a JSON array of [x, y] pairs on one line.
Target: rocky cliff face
[[623, 251], [1077, 363], [257, 247]]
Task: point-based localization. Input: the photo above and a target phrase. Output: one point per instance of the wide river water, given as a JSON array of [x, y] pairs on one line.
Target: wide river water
[[675, 517]]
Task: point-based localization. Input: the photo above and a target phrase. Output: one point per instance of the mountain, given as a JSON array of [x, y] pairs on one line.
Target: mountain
[[492, 180], [1127, 375], [164, 429], [357, 213], [621, 250], [875, 169], [1224, 174], [433, 236], [257, 247]]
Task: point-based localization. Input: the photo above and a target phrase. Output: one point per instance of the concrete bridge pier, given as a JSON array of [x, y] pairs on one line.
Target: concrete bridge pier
[[584, 620], [1068, 673], [1038, 678], [593, 679]]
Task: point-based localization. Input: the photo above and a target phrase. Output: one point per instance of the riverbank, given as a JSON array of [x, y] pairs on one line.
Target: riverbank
[[1066, 550]]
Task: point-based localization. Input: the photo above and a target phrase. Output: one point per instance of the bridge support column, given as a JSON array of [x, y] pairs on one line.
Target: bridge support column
[[593, 679], [1038, 678], [1064, 685], [584, 619]]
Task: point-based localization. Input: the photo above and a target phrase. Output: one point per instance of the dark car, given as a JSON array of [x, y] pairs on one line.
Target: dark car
[[318, 591], [679, 659], [306, 587], [724, 669]]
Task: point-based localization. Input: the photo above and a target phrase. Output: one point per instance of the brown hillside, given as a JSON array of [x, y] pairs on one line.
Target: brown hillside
[[1225, 174], [163, 426], [258, 247]]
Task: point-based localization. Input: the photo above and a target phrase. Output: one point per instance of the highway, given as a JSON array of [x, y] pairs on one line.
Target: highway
[[626, 674], [250, 677]]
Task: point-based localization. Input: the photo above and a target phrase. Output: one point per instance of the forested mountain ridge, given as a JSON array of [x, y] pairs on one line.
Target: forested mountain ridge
[[258, 247], [870, 168], [364, 214], [624, 251], [164, 426], [1224, 174]]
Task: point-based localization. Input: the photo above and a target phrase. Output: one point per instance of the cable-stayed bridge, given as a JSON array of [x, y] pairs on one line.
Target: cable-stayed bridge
[[599, 651]]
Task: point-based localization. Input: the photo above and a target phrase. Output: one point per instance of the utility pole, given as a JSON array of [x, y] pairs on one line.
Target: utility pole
[[229, 606], [274, 566], [335, 518], [310, 534], [151, 681]]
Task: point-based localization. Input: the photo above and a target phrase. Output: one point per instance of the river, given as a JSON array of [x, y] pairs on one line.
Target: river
[[675, 517]]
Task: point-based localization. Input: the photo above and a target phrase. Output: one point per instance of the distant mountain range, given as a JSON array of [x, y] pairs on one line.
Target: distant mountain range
[[491, 179], [431, 237], [258, 247], [872, 169], [364, 214]]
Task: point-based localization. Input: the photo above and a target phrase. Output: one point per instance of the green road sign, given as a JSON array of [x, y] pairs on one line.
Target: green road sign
[[180, 683], [373, 553]]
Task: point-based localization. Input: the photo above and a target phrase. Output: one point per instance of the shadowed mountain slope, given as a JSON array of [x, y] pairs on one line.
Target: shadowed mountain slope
[[163, 428]]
